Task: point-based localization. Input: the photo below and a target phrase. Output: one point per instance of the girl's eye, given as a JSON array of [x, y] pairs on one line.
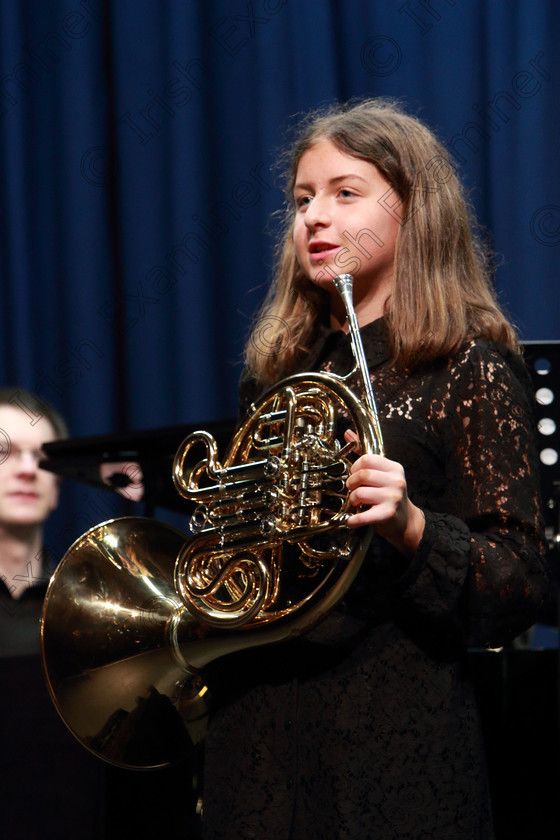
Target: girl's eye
[[303, 201], [347, 194]]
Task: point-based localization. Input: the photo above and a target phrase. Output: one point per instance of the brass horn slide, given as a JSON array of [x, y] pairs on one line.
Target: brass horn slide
[[136, 610]]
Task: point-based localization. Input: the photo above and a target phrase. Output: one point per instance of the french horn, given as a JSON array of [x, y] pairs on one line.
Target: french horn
[[136, 610]]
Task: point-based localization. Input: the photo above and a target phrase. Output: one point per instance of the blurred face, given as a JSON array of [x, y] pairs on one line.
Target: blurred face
[[342, 223], [27, 494]]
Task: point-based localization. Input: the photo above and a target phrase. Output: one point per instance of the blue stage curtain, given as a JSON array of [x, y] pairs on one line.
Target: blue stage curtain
[[137, 139]]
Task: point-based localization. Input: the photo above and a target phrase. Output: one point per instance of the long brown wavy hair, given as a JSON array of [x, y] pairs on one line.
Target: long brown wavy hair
[[442, 292]]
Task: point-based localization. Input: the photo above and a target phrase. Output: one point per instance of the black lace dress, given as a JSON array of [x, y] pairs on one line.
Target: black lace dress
[[367, 727]]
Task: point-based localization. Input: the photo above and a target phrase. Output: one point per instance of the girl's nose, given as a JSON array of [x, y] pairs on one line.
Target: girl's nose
[[317, 213]]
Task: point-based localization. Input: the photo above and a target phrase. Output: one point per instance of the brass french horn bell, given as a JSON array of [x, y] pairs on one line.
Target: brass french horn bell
[[136, 610]]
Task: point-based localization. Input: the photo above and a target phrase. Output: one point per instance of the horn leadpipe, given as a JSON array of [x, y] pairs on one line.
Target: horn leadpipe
[[344, 285]]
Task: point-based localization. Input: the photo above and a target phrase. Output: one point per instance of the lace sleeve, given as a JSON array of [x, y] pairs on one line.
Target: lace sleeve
[[483, 560]]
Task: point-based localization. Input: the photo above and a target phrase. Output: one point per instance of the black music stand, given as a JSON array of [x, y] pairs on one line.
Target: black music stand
[[79, 459], [543, 359]]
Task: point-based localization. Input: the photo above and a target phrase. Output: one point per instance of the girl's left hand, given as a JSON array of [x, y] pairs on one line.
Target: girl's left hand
[[380, 484]]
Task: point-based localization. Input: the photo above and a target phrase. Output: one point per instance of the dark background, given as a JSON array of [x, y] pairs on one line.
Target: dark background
[[137, 142]]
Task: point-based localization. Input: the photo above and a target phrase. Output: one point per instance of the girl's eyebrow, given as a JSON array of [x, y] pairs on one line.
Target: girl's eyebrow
[[332, 181]]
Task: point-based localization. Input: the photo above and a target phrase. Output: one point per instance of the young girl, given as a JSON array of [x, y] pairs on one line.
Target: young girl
[[367, 726]]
